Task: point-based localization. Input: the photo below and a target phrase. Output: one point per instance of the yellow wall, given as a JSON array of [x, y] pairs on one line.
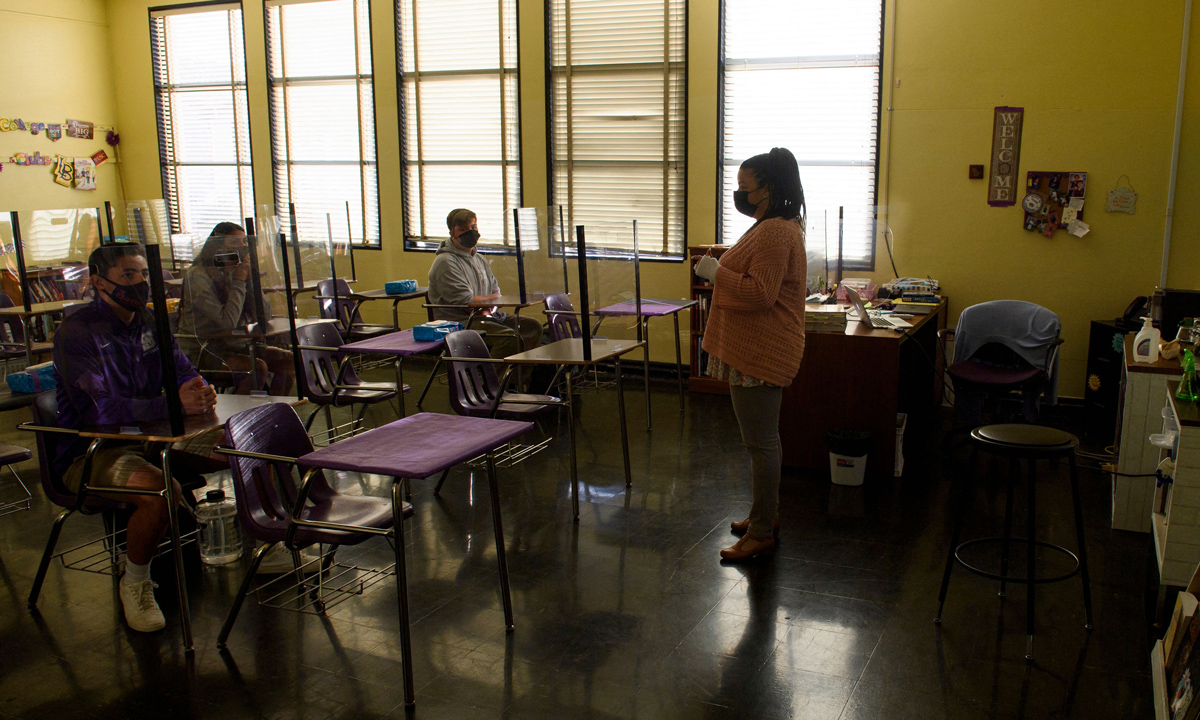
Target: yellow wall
[[1098, 88], [56, 66]]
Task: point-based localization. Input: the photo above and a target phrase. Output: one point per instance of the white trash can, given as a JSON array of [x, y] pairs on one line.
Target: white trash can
[[848, 456]]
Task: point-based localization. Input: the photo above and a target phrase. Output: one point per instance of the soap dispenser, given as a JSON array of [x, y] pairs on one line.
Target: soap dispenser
[[1145, 345]]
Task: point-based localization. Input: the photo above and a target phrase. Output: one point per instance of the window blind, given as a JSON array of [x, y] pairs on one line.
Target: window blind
[[805, 75], [322, 104], [458, 70], [203, 116], [618, 109]]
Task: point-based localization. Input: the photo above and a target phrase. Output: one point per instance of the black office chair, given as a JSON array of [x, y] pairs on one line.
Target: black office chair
[[1000, 347]]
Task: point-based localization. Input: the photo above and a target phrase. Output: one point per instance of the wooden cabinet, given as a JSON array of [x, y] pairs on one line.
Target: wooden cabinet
[[702, 294]]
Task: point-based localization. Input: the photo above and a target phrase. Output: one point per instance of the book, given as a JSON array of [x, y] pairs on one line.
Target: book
[[1184, 655], [1181, 619]]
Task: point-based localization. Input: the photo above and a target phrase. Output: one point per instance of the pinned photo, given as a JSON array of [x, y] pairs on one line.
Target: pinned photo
[[1077, 185]]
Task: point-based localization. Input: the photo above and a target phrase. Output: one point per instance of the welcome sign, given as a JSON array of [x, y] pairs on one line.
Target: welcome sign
[[1006, 153]]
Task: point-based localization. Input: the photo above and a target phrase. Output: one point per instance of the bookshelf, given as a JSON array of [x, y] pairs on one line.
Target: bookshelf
[[702, 293], [46, 284]]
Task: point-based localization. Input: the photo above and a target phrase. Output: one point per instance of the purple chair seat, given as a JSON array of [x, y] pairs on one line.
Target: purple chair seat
[[981, 374], [10, 454]]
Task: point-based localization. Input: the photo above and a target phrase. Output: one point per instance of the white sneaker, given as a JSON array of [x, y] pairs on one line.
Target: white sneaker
[[141, 610], [279, 560]]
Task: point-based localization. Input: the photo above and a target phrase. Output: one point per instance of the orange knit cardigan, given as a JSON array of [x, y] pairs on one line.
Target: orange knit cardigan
[[756, 323]]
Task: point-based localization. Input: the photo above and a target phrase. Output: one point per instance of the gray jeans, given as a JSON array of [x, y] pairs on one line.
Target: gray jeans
[[757, 410]]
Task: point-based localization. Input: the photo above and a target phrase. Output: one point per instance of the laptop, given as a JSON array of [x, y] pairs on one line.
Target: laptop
[[876, 319]]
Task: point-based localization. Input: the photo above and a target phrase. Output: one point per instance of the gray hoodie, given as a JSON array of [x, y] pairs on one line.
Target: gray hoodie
[[455, 277]]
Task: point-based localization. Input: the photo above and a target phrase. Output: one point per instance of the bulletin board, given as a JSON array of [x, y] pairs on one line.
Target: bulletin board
[[1054, 201]]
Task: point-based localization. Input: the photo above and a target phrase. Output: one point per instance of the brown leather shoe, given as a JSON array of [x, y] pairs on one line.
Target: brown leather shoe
[[741, 527], [748, 547]]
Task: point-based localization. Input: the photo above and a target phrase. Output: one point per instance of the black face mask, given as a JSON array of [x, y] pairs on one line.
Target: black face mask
[[741, 201], [468, 239], [131, 297]]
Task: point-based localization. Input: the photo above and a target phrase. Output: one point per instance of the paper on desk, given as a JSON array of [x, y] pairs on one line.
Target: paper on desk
[[1078, 228]]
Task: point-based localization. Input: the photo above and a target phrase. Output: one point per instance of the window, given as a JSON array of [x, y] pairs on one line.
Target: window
[[203, 117], [618, 109], [323, 117], [807, 80], [457, 64]]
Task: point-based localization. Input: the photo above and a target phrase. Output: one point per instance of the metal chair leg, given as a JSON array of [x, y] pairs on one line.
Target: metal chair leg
[[624, 429], [47, 556], [1013, 475], [432, 374], [438, 488], [259, 554], [964, 502], [16, 505], [1031, 587], [501, 557], [402, 591], [1083, 566]]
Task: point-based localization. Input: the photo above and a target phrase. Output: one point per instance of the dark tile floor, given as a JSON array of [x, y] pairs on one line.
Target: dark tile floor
[[627, 614]]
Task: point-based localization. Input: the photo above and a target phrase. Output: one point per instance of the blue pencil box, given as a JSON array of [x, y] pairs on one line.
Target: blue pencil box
[[435, 330], [398, 287], [34, 378]]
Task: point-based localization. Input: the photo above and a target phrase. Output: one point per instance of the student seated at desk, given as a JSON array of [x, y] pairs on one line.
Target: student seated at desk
[[108, 372], [459, 276], [216, 301]]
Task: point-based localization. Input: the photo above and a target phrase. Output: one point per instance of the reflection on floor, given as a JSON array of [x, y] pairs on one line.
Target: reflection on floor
[[629, 613]]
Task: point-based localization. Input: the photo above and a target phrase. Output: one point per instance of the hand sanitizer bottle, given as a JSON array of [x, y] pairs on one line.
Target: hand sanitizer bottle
[[1145, 345]]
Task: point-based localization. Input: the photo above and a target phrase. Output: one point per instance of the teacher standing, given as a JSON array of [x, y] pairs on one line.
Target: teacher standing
[[755, 331]]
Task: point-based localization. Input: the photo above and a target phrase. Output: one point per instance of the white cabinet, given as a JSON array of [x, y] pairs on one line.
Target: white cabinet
[[1177, 531], [1143, 385]]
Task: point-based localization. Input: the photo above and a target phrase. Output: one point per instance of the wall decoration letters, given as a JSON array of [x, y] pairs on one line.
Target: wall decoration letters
[[64, 172], [1006, 155]]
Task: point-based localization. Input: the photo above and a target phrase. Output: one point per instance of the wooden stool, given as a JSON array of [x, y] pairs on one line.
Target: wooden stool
[[1032, 443]]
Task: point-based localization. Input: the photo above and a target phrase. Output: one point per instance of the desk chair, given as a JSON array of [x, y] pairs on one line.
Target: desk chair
[[1003, 346], [85, 501], [475, 392], [315, 513], [262, 445], [563, 322], [330, 381], [345, 311], [12, 338]]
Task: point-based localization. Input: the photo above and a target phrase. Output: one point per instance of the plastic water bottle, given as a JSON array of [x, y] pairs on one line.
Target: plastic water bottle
[[1188, 390], [220, 538]]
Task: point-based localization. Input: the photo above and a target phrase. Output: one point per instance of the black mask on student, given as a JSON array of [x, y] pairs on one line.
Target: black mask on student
[[131, 297], [468, 239], [741, 201]]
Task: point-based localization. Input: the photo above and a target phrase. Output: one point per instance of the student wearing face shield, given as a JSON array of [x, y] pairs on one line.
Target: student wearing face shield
[[460, 276], [216, 301]]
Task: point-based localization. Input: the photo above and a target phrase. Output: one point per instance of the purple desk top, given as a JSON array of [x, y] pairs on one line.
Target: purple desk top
[[417, 446], [650, 307], [397, 343]]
